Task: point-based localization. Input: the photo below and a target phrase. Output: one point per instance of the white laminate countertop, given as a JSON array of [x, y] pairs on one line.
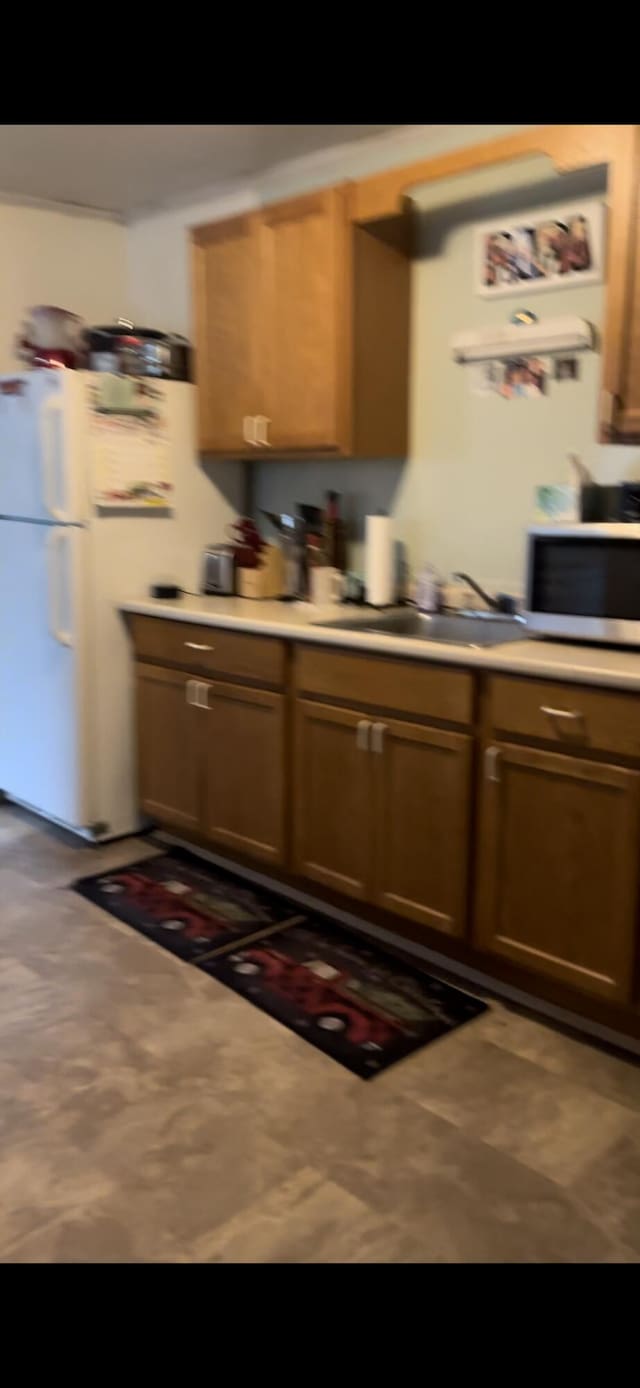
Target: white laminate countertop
[[299, 621]]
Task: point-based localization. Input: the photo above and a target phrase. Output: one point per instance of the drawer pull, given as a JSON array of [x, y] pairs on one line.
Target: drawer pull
[[197, 646], [570, 715], [362, 735]]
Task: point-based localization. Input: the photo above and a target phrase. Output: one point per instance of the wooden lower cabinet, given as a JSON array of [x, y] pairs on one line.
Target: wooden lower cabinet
[[382, 812], [423, 798], [211, 760], [381, 809], [334, 805], [168, 747], [558, 863], [243, 751]]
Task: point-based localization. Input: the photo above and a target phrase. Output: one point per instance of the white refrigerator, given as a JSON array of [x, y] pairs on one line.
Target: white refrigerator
[[67, 739]]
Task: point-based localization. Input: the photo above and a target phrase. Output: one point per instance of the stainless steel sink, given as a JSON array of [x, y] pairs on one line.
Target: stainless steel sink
[[469, 629]]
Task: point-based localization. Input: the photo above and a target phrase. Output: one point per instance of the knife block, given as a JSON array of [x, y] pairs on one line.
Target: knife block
[[267, 581]]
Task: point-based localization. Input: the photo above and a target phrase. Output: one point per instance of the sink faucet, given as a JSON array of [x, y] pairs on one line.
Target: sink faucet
[[496, 604]]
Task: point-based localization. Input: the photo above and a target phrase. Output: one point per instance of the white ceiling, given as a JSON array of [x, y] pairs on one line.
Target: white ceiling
[[125, 168]]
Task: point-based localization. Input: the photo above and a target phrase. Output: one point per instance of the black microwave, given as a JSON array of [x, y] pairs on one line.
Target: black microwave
[[583, 582]]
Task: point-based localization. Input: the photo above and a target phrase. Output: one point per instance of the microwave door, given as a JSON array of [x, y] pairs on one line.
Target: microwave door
[[584, 584]]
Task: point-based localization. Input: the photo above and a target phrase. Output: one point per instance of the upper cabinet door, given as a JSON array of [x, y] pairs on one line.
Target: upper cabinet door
[[625, 411], [226, 289], [305, 311]]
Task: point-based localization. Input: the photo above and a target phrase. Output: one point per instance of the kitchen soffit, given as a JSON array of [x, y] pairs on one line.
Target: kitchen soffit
[[128, 168]]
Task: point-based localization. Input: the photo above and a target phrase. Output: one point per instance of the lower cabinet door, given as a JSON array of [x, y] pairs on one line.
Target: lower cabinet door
[[557, 870], [423, 798], [244, 754], [333, 804], [169, 777]]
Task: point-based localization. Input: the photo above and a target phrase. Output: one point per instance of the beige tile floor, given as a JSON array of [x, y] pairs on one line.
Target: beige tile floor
[[148, 1114]]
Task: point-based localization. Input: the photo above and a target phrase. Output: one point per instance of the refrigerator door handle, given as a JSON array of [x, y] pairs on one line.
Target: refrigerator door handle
[[57, 542], [50, 408]]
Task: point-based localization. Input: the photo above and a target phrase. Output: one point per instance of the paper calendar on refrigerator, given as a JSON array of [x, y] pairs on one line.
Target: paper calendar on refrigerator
[[130, 449]]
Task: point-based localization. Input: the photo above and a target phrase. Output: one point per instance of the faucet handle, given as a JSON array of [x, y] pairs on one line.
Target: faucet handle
[[490, 602]]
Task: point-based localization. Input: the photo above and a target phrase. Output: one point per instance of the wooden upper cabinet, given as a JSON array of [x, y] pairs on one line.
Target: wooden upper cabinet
[[302, 333], [557, 866], [225, 272], [423, 795], [625, 407], [302, 308], [303, 266]]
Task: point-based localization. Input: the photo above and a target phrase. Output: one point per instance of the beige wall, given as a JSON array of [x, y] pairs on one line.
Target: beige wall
[[50, 255], [463, 496]]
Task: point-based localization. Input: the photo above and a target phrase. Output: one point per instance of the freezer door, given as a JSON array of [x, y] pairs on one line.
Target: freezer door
[[43, 700], [43, 452]]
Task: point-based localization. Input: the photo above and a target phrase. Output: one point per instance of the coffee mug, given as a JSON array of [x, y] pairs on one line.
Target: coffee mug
[[326, 586]]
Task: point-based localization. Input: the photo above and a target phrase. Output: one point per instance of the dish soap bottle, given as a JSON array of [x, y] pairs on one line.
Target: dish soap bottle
[[428, 590]]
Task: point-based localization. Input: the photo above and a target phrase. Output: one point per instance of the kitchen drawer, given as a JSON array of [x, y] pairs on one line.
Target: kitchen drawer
[[568, 714], [209, 650], [405, 686]]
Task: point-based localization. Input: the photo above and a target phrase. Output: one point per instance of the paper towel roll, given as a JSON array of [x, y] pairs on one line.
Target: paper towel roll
[[379, 561]]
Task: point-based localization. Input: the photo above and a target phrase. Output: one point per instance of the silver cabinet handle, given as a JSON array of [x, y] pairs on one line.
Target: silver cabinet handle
[[197, 646], [362, 735], [249, 430], [377, 736], [197, 694], [262, 431], [491, 767], [569, 714]]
